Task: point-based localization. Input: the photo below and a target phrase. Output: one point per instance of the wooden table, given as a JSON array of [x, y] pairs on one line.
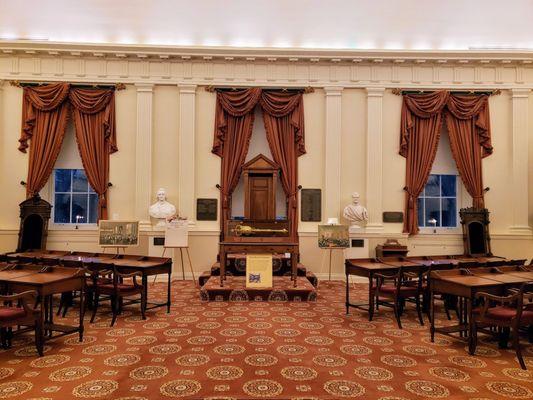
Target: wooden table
[[46, 282], [466, 284], [258, 248], [367, 268], [147, 266]]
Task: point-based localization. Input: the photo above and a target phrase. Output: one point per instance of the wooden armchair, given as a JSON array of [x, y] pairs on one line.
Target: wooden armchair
[[122, 286], [513, 311], [396, 289], [22, 315]]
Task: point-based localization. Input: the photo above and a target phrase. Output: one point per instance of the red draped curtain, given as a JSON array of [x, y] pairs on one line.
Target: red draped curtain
[[283, 115], [44, 120], [234, 121], [467, 119], [94, 119], [469, 130]]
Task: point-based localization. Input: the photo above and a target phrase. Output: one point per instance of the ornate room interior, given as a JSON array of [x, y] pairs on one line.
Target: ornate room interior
[[266, 199]]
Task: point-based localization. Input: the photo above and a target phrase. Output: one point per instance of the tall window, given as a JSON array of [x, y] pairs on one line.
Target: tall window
[[75, 201], [437, 204]]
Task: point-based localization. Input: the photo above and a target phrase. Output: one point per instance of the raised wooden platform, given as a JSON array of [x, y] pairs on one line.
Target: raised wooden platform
[[235, 290]]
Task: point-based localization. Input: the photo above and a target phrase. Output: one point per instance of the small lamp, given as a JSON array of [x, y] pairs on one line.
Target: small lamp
[[433, 222], [78, 217]]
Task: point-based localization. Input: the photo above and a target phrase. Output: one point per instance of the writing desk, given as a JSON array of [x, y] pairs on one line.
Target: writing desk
[[466, 284], [147, 266], [47, 281], [367, 268]]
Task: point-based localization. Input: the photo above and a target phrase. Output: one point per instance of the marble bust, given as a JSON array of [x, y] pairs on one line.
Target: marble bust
[[162, 209], [355, 213]]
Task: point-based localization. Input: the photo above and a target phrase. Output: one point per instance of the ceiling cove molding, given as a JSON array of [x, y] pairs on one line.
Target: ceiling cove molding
[[99, 63]]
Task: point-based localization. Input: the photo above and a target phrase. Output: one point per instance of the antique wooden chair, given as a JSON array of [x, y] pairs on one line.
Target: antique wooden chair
[[21, 315], [122, 286], [396, 289], [508, 312]]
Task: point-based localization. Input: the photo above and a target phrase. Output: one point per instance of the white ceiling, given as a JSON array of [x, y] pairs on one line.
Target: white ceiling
[[331, 24]]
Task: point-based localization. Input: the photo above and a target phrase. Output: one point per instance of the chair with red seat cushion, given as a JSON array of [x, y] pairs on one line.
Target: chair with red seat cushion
[[394, 290], [22, 315], [121, 286], [511, 311]]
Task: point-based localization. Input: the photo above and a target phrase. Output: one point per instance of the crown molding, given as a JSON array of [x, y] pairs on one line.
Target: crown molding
[[237, 67], [121, 51]]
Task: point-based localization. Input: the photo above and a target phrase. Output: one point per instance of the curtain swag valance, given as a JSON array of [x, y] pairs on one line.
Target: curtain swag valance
[[283, 114], [468, 122], [45, 111]]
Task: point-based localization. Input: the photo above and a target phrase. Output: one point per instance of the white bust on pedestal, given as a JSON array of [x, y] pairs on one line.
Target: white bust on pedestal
[[162, 209], [355, 213]]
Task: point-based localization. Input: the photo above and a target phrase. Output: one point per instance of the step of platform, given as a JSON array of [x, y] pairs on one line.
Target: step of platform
[[235, 289]]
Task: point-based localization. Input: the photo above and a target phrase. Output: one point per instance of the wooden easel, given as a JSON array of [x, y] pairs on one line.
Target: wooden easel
[[182, 263], [115, 247], [330, 256]]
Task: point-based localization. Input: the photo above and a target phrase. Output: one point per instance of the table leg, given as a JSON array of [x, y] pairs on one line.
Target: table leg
[[222, 268], [50, 313], [168, 289], [471, 328], [347, 294], [370, 297], [294, 267], [144, 281], [82, 309], [432, 315]]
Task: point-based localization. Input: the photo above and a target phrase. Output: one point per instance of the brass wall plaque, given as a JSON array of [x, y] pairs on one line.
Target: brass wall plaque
[[311, 205], [392, 216], [206, 209]]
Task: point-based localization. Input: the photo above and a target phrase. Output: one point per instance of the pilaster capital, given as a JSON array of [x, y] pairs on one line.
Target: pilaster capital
[[187, 88], [333, 90], [520, 93], [144, 87], [375, 91]]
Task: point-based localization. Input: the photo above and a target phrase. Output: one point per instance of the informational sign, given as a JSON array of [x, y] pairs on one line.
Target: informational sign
[[259, 270], [177, 233]]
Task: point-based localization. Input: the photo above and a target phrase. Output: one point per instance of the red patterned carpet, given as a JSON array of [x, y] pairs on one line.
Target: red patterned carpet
[[299, 350]]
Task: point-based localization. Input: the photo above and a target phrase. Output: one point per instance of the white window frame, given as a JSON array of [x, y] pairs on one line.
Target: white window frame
[[460, 194], [51, 200]]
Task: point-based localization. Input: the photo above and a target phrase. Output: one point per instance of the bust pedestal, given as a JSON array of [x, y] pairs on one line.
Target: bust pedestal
[[359, 247]]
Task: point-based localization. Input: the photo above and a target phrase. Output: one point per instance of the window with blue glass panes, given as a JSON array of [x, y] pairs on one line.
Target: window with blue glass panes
[[75, 201], [437, 204]]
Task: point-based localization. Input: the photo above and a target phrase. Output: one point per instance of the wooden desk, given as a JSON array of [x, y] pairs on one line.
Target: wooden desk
[[467, 284], [48, 281], [367, 268], [147, 266], [36, 254], [257, 248]]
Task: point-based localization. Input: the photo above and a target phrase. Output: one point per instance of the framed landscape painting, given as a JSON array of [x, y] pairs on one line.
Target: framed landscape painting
[[333, 236]]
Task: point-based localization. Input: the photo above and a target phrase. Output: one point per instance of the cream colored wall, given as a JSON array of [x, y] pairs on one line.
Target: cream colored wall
[[205, 172]]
